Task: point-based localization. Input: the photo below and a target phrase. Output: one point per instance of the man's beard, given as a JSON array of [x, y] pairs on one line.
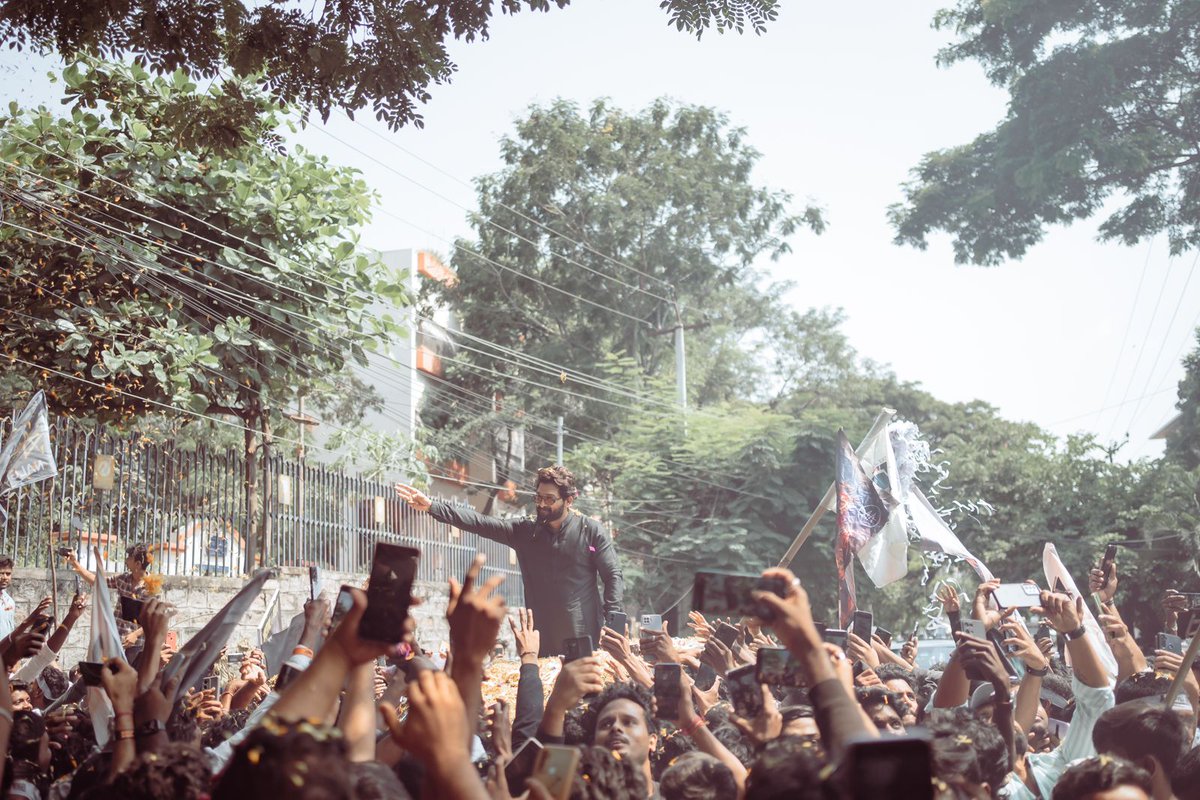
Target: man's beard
[[545, 515]]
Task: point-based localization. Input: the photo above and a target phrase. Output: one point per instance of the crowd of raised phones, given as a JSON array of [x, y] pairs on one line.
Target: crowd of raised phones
[[774, 705]]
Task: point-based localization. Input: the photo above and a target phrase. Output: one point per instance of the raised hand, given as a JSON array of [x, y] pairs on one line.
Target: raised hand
[[1103, 585], [435, 730], [1021, 643], [475, 615], [947, 595], [577, 678], [979, 607], [1063, 613], [858, 650], [499, 725], [413, 496], [718, 656], [699, 625], [526, 636], [658, 646]]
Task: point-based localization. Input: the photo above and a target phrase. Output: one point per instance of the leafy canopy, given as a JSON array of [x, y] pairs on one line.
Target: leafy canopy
[[347, 54], [1104, 110]]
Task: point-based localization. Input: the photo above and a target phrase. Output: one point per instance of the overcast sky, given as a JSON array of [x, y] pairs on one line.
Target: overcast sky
[[841, 100]]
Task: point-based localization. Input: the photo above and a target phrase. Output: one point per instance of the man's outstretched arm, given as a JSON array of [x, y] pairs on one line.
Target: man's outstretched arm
[[494, 528]]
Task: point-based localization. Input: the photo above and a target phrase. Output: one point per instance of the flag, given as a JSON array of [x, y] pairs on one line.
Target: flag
[[280, 645], [195, 659], [937, 536], [885, 557], [104, 644], [1054, 568], [861, 515], [28, 457]]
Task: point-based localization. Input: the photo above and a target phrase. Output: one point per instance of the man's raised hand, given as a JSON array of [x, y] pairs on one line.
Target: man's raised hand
[[413, 496], [526, 636], [474, 614]]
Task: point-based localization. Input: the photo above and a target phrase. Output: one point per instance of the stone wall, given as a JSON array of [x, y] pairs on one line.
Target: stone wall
[[197, 599]]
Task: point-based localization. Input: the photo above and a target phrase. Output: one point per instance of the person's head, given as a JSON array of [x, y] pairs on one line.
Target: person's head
[[175, 772], [28, 741], [621, 719], [1185, 781], [6, 570], [1103, 778], [602, 775], [787, 768], [883, 707], [698, 776], [968, 753], [48, 686], [555, 493], [137, 557], [903, 684], [800, 721], [300, 762], [375, 781], [21, 701], [1150, 736], [1147, 684]]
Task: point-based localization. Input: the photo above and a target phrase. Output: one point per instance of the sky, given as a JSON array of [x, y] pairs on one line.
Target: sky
[[841, 100]]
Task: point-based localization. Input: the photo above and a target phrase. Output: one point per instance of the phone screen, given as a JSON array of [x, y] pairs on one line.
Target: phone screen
[[393, 570], [727, 634], [90, 672], [861, 625], [340, 606], [579, 647], [775, 667], [885, 636], [522, 764], [617, 621], [836, 637], [889, 767], [667, 689], [1110, 558], [745, 691], [731, 594]]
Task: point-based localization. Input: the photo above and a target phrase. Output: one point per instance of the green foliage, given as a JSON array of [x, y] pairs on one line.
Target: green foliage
[[353, 54], [128, 302], [1104, 107], [1183, 444]]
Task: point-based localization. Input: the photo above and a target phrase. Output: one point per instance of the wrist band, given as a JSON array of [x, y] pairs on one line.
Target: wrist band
[[696, 724], [301, 650], [1078, 633], [125, 734], [1040, 673]]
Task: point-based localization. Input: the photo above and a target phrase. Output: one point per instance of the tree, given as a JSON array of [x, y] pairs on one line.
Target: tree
[[598, 226], [1183, 444], [350, 54], [223, 281], [1104, 107]]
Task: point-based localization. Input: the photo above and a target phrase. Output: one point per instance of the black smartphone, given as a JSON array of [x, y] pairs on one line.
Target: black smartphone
[[131, 608], [312, 583], [1110, 558], [725, 594], [90, 672], [1168, 642], [340, 606], [727, 634], [579, 647], [706, 676], [668, 689], [745, 691], [893, 766], [836, 637], [1043, 631], [287, 673], [393, 570], [43, 624], [617, 621], [861, 625], [64, 551], [776, 667], [997, 640], [885, 636], [521, 766]]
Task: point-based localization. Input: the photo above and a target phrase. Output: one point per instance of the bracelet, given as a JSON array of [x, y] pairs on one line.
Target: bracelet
[[696, 724], [301, 650], [528, 653], [125, 734], [1040, 673], [1078, 633]]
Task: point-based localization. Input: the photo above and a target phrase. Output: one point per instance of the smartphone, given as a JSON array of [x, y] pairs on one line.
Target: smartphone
[[90, 672], [861, 625], [775, 667], [64, 551], [893, 766], [340, 606], [617, 621], [1110, 558], [1193, 599], [393, 570], [235, 658], [555, 769], [727, 634], [131, 608], [1043, 631], [885, 636], [171, 640], [973, 627], [1168, 642], [580, 647], [997, 640], [522, 764], [312, 583], [211, 682], [1189, 623], [1019, 595], [652, 622], [43, 624], [836, 637], [287, 673], [745, 691], [731, 594], [668, 689]]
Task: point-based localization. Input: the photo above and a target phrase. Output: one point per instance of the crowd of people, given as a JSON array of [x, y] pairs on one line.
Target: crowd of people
[[364, 719]]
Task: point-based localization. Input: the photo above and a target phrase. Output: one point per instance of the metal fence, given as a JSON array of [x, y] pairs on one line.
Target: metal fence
[[190, 507]]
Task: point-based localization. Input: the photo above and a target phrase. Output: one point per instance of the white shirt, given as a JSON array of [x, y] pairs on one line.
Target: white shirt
[[8, 613]]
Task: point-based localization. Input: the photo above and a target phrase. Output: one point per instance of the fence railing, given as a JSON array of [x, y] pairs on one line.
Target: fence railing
[[190, 508]]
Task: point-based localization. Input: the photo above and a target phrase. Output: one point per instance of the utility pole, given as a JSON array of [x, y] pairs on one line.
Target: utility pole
[[680, 361], [559, 448]]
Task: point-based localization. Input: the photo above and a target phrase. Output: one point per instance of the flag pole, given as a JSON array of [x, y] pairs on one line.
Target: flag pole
[[877, 427]]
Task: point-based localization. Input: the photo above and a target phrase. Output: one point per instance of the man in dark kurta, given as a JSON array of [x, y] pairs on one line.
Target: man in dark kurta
[[560, 552]]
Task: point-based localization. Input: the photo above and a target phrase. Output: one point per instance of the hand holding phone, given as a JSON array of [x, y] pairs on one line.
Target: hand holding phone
[[393, 570], [579, 647], [555, 769], [745, 691], [617, 621], [668, 690]]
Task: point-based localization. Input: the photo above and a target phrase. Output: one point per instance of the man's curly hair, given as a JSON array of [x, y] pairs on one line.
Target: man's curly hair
[[617, 691], [562, 478], [176, 772]]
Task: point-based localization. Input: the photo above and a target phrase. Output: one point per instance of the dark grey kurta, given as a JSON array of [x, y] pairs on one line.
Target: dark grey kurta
[[559, 569]]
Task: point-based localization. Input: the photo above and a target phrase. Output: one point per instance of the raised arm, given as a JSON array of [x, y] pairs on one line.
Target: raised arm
[[467, 519], [1066, 616], [80, 570]]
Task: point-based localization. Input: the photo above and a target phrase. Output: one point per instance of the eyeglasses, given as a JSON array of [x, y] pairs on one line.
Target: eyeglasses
[[546, 499]]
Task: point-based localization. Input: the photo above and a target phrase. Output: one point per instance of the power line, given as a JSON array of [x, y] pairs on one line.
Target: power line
[[1138, 361], [1128, 324]]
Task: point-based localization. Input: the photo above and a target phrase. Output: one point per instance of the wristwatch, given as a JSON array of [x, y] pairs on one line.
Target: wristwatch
[[1076, 634], [1040, 673], [149, 728]]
